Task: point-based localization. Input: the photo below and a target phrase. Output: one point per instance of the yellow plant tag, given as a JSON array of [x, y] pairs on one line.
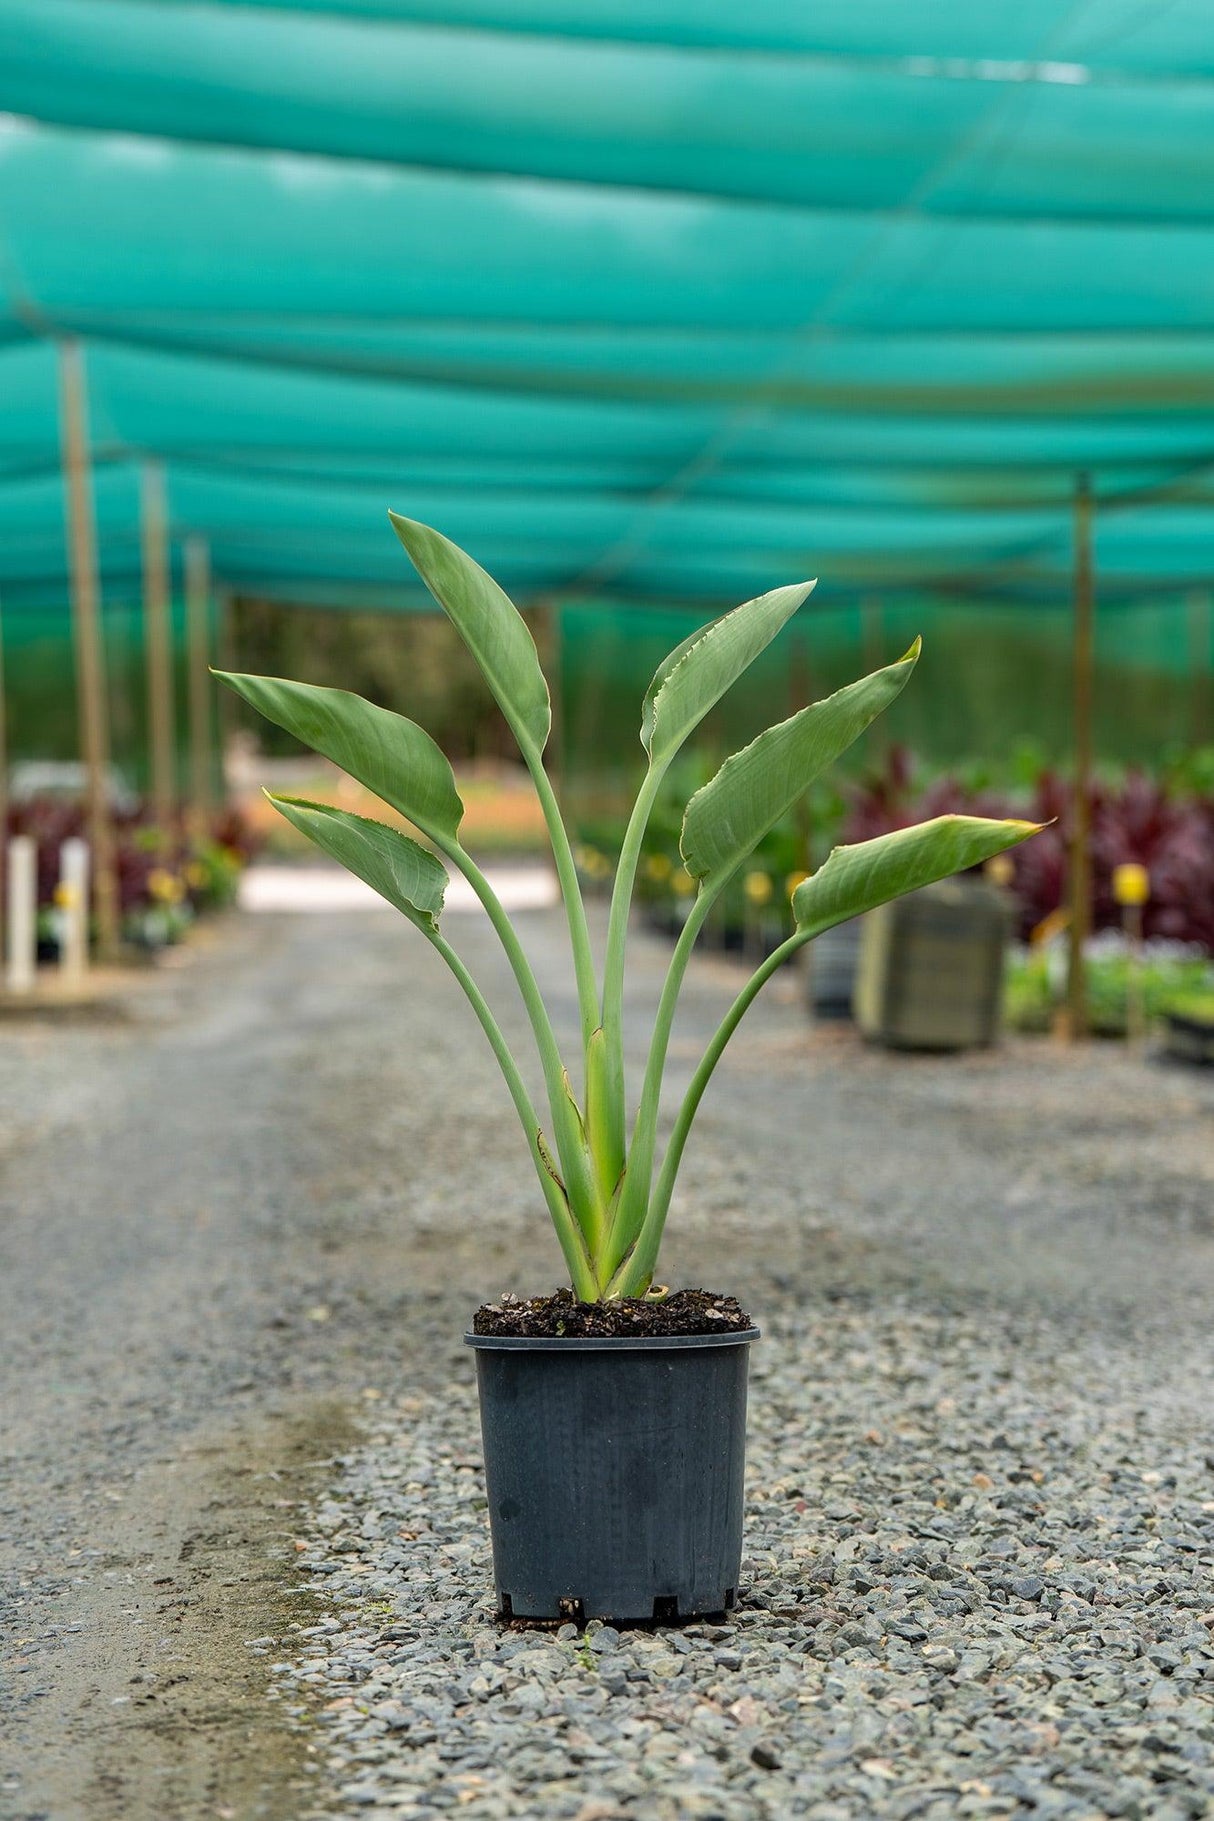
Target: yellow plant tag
[[1131, 883]]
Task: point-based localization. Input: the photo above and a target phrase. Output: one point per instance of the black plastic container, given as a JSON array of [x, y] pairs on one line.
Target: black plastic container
[[1188, 1039], [614, 1472]]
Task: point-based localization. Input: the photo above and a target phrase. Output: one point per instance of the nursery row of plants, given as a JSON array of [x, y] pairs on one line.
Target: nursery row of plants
[[166, 877], [1164, 823], [1122, 984]]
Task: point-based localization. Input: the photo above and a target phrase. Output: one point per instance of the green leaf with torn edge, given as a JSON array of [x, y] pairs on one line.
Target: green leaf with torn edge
[[697, 673], [856, 879], [732, 812], [490, 625], [400, 870], [392, 756]]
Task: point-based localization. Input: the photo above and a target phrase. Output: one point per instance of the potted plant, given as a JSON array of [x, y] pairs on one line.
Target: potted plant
[[929, 972], [613, 1413]]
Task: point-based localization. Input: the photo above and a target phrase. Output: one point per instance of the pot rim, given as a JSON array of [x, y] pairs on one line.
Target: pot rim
[[606, 1343]]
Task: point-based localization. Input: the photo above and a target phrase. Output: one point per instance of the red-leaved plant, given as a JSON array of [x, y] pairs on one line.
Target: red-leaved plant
[[1137, 820]]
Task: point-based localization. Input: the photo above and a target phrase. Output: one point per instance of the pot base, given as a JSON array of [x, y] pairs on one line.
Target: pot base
[[665, 1612]]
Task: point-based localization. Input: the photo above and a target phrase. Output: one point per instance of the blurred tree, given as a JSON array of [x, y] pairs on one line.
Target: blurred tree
[[415, 664]]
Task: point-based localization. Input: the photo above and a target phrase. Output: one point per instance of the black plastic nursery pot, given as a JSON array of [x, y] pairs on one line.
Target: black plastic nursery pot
[[1189, 1038], [614, 1471]]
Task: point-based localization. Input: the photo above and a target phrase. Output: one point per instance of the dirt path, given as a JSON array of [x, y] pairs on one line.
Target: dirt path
[[156, 1447], [227, 1227]]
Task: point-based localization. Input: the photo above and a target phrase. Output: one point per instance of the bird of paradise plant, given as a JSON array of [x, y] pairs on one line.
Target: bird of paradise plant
[[606, 1188]]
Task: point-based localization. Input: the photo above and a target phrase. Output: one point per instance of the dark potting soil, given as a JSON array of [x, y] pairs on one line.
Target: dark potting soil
[[683, 1312]]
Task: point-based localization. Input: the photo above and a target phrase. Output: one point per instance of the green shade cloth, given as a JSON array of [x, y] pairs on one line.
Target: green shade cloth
[[979, 137], [643, 303], [1172, 35]]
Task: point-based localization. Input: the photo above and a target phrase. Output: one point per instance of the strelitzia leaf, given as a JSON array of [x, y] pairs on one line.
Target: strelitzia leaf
[[392, 756], [400, 870], [859, 878], [489, 624], [698, 672], [754, 788], [853, 880]]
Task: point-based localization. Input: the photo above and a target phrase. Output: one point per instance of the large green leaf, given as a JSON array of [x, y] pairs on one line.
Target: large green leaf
[[698, 672], [407, 875], [392, 756], [856, 879], [489, 624], [752, 790]]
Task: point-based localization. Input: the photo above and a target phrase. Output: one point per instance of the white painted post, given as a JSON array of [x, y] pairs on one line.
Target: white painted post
[[22, 914], [73, 899]]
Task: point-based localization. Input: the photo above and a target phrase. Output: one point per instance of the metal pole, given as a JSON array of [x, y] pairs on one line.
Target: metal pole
[[197, 607], [158, 649], [90, 656], [1080, 855]]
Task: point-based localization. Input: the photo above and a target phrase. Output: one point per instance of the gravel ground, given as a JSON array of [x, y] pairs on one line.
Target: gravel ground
[[966, 1594], [241, 1240]]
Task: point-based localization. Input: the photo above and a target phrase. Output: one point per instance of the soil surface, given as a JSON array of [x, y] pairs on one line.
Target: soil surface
[[629, 1317], [236, 1226]]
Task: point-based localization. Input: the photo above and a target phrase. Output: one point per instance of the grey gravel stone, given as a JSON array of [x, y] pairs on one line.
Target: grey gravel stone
[[1028, 1586]]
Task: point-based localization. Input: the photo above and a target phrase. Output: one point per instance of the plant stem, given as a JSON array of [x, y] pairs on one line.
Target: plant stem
[[545, 1038], [631, 1214], [571, 892], [571, 1239], [565, 1128], [617, 939], [633, 1275]]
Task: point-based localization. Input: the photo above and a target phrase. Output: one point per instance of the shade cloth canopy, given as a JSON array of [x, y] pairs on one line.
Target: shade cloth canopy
[[668, 301]]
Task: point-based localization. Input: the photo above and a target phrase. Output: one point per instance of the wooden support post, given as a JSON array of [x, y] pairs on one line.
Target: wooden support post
[[198, 643], [73, 911], [1081, 810], [90, 657], [158, 651], [22, 946]]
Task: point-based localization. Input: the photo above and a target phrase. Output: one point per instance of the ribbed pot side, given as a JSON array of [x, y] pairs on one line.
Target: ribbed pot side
[[614, 1470]]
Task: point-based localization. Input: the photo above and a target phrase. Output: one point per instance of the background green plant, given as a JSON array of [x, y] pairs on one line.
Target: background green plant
[[1033, 988]]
